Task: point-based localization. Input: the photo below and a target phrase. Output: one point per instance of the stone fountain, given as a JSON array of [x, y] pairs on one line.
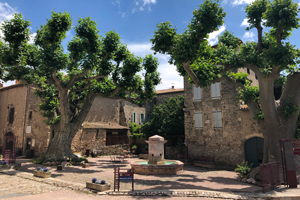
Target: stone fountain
[[156, 163]]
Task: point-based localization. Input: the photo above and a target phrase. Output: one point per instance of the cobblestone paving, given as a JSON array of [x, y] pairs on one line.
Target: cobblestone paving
[[193, 178], [18, 185]]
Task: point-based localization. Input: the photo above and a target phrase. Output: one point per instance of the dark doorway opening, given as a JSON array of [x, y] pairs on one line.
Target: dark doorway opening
[[28, 143], [254, 151]]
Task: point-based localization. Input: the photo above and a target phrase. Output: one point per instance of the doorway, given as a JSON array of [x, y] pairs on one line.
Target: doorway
[[254, 151], [9, 141]]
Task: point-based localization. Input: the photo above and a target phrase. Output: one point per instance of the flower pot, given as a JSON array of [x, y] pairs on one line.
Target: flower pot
[[42, 174], [85, 165], [99, 187]]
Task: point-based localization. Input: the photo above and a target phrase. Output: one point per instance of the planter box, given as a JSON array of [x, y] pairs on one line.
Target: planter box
[[98, 187], [85, 165], [42, 174], [4, 166]]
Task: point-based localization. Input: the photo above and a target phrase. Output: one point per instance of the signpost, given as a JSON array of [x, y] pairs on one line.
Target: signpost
[[122, 176]]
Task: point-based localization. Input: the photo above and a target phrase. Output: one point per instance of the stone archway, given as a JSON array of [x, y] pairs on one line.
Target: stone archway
[[254, 151]]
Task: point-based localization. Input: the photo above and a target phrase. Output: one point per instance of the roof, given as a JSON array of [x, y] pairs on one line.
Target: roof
[[244, 107], [172, 90], [11, 86], [103, 126]]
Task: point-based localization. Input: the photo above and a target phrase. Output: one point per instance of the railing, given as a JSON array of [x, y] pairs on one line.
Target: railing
[[270, 176]]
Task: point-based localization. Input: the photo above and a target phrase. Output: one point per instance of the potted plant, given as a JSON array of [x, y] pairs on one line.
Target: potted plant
[[98, 185], [85, 162], [43, 173], [133, 149], [3, 165]]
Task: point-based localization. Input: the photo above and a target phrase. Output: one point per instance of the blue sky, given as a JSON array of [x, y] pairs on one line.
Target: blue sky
[[135, 21]]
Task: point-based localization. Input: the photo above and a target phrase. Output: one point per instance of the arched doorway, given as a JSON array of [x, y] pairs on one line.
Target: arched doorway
[[254, 151]]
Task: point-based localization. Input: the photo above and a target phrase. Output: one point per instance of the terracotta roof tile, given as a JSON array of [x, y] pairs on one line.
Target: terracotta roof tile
[[103, 126], [244, 107], [169, 90]]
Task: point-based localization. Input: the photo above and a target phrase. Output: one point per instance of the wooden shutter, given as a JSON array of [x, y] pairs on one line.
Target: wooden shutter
[[197, 93], [217, 90], [198, 120], [219, 119]]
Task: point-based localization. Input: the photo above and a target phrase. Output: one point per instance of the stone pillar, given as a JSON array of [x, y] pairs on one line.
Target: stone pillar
[[156, 149]]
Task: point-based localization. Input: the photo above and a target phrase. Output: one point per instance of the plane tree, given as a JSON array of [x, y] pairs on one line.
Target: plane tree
[[268, 56], [67, 82]]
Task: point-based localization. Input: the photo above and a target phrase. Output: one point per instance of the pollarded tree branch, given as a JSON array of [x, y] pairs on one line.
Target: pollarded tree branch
[[186, 66], [292, 89], [57, 82], [80, 89], [91, 78], [278, 35], [74, 77], [258, 47]]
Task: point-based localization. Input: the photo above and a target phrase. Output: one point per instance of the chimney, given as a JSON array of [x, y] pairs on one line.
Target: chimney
[[1, 85], [173, 87], [16, 82]]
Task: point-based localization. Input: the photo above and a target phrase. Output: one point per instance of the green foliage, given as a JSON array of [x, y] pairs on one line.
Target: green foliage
[[93, 64], [249, 92], [259, 115], [243, 169], [255, 12], [135, 131], [290, 108], [166, 119]]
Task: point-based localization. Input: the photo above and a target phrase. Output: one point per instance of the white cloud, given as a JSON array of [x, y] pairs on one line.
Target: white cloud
[[6, 13], [245, 23], [249, 36], [141, 4], [213, 36], [168, 72], [239, 2], [32, 37]]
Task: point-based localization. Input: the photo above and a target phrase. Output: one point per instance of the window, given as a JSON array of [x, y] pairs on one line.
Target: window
[[11, 115], [30, 115], [215, 91], [133, 118], [248, 70], [198, 120], [97, 134], [142, 118], [217, 115], [197, 93], [255, 77], [148, 117]]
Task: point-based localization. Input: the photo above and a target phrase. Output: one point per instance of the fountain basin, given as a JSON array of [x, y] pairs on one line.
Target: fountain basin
[[169, 167]]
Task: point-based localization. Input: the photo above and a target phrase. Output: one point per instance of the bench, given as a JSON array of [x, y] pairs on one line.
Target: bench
[[205, 161]]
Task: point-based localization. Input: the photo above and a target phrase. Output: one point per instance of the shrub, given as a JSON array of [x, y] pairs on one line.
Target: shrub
[[39, 168], [243, 169], [102, 182]]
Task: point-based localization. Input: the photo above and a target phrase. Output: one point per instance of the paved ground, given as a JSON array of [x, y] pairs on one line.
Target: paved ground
[[193, 178]]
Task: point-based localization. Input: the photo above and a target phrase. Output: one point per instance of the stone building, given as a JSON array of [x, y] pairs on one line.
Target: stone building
[[216, 125], [106, 125], [20, 117]]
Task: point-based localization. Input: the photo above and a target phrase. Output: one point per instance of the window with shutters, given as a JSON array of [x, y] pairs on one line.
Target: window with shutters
[[198, 120], [133, 118], [217, 115], [11, 115], [142, 118], [197, 93], [215, 91]]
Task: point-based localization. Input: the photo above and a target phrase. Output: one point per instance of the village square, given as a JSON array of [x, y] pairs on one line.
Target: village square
[[199, 111]]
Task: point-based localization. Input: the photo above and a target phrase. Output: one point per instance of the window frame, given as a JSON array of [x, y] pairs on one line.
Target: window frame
[[217, 93], [197, 90]]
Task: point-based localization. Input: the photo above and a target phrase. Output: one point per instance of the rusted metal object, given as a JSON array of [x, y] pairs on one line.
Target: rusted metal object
[[270, 176]]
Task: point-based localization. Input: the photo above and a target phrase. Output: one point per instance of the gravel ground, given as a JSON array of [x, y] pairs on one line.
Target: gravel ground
[[192, 178]]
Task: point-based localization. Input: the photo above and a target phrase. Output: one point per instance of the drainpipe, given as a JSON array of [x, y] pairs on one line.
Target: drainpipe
[[25, 118]]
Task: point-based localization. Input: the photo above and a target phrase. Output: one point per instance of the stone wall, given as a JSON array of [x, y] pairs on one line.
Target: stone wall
[[225, 144]]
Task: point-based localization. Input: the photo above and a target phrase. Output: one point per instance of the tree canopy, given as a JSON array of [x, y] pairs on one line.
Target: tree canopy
[[166, 119], [269, 56], [67, 81]]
